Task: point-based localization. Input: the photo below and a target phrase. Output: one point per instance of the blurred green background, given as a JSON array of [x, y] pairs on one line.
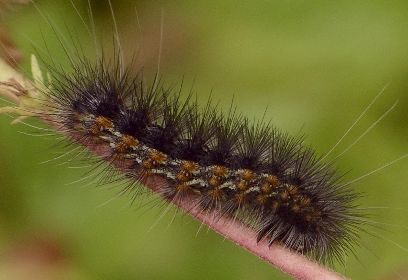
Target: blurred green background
[[314, 64]]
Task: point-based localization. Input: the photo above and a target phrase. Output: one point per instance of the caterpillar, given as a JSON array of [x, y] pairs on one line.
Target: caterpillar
[[220, 161], [223, 162]]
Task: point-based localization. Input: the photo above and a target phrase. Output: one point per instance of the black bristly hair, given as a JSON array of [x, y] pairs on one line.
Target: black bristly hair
[[222, 161]]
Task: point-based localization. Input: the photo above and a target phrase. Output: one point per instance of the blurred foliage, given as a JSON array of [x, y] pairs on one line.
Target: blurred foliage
[[314, 64]]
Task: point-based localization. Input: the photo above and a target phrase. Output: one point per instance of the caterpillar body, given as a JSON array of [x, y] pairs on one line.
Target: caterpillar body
[[253, 172]]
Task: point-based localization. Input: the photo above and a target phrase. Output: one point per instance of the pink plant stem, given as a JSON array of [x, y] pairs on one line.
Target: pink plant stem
[[290, 262], [286, 260]]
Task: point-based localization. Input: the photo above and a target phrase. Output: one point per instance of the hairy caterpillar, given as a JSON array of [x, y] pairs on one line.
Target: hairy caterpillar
[[104, 124]]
